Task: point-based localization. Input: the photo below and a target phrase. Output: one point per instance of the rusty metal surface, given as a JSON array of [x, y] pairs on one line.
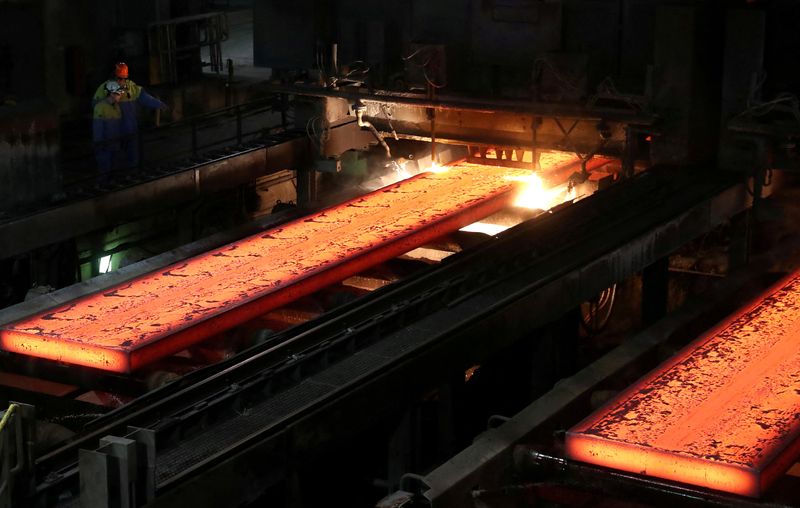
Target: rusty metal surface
[[130, 325], [722, 414]]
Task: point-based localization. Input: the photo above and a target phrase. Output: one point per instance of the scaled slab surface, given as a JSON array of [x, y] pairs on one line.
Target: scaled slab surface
[[724, 413], [149, 317]]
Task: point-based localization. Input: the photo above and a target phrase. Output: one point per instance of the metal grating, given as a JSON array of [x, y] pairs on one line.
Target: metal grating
[[247, 422]]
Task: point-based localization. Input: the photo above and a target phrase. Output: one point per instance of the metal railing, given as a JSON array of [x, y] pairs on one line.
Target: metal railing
[[186, 139], [9, 454]]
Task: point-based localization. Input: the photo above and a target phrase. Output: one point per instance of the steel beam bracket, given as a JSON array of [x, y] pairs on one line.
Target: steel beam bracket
[[121, 472], [413, 483]]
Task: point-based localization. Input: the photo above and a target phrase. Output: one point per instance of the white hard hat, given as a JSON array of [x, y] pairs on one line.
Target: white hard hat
[[113, 87]]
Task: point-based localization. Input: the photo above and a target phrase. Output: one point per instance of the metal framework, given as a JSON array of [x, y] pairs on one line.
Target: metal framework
[[177, 38]]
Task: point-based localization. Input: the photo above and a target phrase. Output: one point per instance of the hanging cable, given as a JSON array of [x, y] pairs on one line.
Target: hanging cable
[[360, 108]]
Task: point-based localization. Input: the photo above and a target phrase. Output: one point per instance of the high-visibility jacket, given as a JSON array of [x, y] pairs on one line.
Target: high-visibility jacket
[[133, 96]]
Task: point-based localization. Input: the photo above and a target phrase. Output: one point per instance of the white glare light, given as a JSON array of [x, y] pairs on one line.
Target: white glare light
[[105, 264], [485, 228]]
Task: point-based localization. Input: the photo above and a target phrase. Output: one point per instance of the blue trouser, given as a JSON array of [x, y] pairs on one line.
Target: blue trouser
[[106, 158], [130, 145]]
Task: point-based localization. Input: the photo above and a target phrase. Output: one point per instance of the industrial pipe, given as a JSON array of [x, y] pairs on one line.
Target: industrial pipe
[[360, 108]]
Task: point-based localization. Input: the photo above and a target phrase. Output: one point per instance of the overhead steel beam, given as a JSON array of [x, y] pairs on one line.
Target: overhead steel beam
[[467, 121], [445, 103]]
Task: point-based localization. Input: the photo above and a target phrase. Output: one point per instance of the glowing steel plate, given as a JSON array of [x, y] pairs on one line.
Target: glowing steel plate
[[149, 317], [723, 414]]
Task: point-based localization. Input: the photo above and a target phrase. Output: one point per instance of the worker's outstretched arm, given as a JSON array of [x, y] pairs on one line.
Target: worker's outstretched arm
[[148, 101]]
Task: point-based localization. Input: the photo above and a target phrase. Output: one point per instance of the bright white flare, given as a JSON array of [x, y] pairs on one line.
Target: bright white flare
[[105, 264], [485, 228], [436, 168], [534, 195]]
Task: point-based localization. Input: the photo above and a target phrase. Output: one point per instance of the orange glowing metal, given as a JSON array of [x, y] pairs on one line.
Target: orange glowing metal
[[149, 317], [724, 413]]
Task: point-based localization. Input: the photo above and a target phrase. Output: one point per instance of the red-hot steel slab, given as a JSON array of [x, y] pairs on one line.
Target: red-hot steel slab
[[149, 317], [724, 413]]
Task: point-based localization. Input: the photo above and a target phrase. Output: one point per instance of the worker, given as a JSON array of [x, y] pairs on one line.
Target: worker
[[133, 96], [106, 129]]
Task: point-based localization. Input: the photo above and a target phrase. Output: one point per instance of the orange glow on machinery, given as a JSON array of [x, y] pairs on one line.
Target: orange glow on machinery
[[721, 414], [137, 322]]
